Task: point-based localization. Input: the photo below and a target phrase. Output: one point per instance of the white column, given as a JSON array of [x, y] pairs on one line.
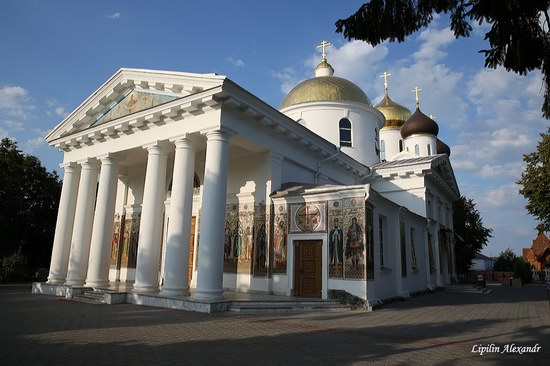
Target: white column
[[210, 266], [176, 263], [64, 224], [82, 233], [150, 228], [102, 231]]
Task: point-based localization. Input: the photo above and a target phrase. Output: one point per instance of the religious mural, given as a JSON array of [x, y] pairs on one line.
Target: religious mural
[[260, 240], [133, 102], [335, 240], [238, 238], [354, 250], [130, 240], [308, 217], [279, 238], [116, 243]]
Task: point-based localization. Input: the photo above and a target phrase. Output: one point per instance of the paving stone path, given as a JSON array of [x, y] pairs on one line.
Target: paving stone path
[[437, 329]]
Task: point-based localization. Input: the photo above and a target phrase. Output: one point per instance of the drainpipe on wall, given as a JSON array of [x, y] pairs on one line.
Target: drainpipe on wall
[[318, 172]]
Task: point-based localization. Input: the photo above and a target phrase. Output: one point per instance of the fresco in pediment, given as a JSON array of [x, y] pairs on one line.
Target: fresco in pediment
[[133, 102]]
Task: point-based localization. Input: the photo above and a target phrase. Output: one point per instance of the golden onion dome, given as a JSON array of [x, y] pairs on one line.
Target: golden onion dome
[[325, 87], [395, 114]]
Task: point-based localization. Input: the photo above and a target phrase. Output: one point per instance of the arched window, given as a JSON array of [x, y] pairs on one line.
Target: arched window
[[345, 132], [416, 150], [382, 150], [429, 149], [400, 145]]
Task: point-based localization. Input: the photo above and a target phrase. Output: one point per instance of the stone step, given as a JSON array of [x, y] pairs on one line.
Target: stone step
[[90, 297], [284, 307], [471, 289]]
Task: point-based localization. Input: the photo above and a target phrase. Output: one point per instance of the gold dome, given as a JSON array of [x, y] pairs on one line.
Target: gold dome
[[395, 114], [325, 88]]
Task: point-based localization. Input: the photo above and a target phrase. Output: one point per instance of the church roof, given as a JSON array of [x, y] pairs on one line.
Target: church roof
[[419, 123], [325, 88], [395, 113]]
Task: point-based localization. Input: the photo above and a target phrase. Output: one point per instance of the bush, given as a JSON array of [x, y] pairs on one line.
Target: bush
[[15, 268], [522, 270]]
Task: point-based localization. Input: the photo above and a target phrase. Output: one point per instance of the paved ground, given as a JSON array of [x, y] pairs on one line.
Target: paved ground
[[438, 329]]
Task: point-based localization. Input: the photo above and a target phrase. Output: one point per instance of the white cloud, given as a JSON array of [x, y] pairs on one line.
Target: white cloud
[[15, 101], [12, 125], [433, 40], [237, 62], [114, 15], [288, 77], [31, 145], [507, 170], [60, 111]]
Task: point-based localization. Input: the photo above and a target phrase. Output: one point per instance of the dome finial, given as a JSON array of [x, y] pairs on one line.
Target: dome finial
[[385, 76], [324, 44], [416, 90]]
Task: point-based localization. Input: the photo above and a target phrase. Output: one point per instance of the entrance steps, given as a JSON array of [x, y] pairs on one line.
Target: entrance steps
[[259, 307], [469, 289], [91, 297]]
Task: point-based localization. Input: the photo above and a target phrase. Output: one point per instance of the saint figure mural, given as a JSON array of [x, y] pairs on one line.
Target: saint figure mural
[[280, 245], [354, 244], [260, 247], [227, 241], [237, 240], [248, 247], [336, 244]]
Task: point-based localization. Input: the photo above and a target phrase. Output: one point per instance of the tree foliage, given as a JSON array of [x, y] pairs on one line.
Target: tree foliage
[[468, 224], [29, 198], [505, 261], [518, 39], [536, 182]]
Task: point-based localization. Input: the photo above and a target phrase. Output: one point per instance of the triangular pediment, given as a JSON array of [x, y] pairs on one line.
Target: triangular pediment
[[130, 91], [131, 102]]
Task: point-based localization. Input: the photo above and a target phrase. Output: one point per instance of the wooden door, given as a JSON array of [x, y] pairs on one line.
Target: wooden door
[[307, 268], [191, 249]]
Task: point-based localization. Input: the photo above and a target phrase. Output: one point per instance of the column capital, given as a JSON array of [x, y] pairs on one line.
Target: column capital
[[221, 134], [157, 147], [70, 167], [109, 158], [89, 164], [184, 141]]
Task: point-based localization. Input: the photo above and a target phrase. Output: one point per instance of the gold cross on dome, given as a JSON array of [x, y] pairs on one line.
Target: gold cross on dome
[[324, 44], [432, 116], [415, 91], [385, 76]]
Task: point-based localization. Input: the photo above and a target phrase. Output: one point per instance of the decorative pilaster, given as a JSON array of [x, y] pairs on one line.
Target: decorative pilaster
[[82, 233], [210, 266], [148, 255], [176, 263], [100, 248], [64, 224]]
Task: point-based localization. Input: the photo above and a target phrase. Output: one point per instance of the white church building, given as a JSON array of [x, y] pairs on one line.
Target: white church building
[[187, 185]]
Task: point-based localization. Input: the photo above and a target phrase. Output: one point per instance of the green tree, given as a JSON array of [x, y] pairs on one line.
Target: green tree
[[29, 198], [505, 261], [518, 39], [467, 223], [536, 182], [522, 269]]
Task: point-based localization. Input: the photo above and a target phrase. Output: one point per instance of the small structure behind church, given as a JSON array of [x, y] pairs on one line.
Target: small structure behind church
[[539, 256]]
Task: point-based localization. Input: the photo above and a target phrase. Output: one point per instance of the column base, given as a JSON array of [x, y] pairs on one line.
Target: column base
[[55, 281], [74, 282], [175, 292], [96, 284], [208, 295], [144, 288]]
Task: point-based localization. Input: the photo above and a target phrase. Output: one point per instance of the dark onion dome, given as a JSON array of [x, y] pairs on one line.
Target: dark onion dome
[[395, 114], [442, 148], [418, 124]]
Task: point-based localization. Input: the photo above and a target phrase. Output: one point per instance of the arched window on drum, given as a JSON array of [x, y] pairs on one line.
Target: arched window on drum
[[345, 132]]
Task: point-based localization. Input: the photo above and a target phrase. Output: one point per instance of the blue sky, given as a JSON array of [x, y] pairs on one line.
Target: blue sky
[[56, 53]]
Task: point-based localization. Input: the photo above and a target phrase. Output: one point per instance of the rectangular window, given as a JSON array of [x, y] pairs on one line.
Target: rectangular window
[[403, 249], [381, 227], [413, 250]]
